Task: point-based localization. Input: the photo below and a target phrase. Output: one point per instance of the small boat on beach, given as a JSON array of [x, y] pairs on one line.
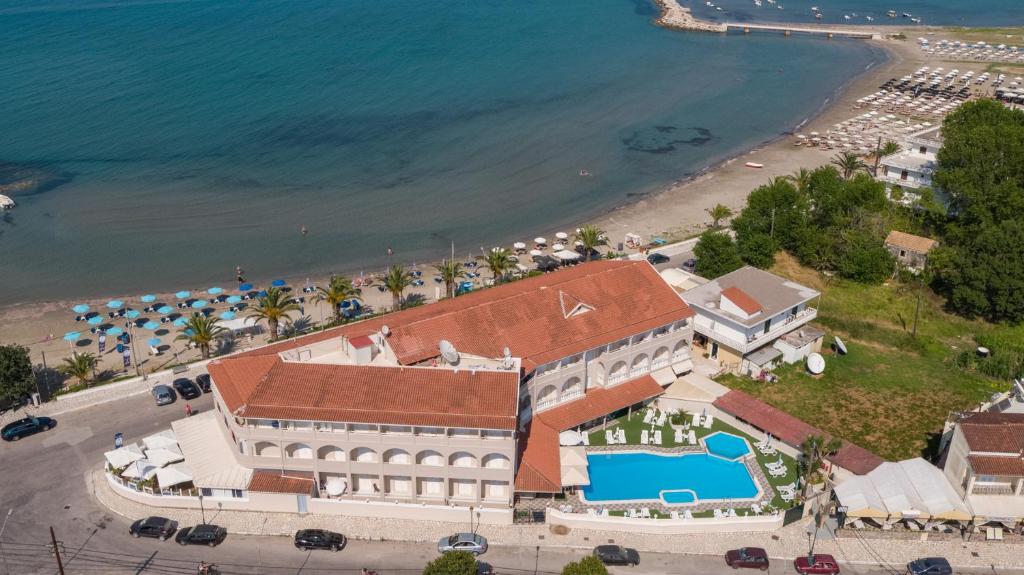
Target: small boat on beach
[[754, 165]]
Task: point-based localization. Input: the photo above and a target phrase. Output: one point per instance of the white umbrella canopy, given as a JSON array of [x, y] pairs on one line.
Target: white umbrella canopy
[[570, 437], [540, 241], [165, 438], [163, 455], [562, 236], [336, 486], [173, 475], [124, 456], [558, 247], [141, 469], [536, 253], [519, 246]]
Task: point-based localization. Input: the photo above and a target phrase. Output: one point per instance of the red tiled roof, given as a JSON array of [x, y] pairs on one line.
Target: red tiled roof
[[793, 431], [997, 465], [994, 432], [369, 394], [360, 341], [540, 469], [742, 300], [300, 482]]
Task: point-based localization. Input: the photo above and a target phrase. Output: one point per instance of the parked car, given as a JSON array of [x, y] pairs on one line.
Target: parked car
[[747, 558], [203, 381], [816, 565], [930, 566], [163, 395], [689, 265], [12, 404], [15, 430], [616, 555], [202, 534], [470, 542], [186, 388], [319, 539], [159, 527], [657, 258]]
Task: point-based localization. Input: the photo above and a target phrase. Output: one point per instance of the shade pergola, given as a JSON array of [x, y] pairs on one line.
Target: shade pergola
[[164, 438], [161, 456], [124, 456], [140, 469], [173, 475]]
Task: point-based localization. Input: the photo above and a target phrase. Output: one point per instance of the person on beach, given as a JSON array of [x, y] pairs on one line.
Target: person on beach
[[238, 275]]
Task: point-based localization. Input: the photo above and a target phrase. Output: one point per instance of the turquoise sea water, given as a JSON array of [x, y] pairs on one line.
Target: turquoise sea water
[[178, 139], [644, 476]]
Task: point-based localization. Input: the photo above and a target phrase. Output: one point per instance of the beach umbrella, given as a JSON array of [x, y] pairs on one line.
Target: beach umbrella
[[277, 283], [153, 342], [227, 315], [189, 332], [558, 247], [562, 236], [132, 314], [166, 309], [80, 308], [115, 304], [245, 287], [95, 320], [540, 241], [261, 293], [183, 294], [199, 303], [234, 299], [151, 325], [72, 336], [519, 246], [148, 298], [215, 290], [536, 253], [114, 331], [179, 322]]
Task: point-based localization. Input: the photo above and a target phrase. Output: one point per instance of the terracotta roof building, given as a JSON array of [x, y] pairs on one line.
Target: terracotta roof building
[[985, 464], [908, 249]]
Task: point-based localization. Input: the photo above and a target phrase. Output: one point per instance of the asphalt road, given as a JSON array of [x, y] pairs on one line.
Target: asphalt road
[[42, 484]]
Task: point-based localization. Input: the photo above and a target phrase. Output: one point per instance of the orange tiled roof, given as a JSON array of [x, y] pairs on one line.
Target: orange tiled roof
[[910, 242], [300, 482], [742, 300], [368, 394], [994, 432], [540, 469], [997, 465]]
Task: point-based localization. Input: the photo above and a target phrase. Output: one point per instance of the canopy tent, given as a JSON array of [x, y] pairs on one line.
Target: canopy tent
[[860, 498], [163, 438], [336, 486], [161, 456], [124, 456], [140, 469], [173, 475], [909, 489]]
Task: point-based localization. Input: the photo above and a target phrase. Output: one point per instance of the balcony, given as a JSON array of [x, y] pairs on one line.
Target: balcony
[[761, 338]]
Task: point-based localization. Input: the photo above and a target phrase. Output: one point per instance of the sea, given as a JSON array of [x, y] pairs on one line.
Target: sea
[[155, 145]]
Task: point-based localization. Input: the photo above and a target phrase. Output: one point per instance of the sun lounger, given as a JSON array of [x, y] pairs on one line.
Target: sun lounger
[[678, 436], [696, 419], [633, 513], [731, 512], [789, 496], [662, 419], [648, 416], [645, 513], [777, 471], [586, 439], [692, 438], [708, 420], [687, 514], [719, 514], [767, 450], [621, 435], [608, 437], [657, 437], [643, 436], [604, 513], [673, 514], [756, 509]]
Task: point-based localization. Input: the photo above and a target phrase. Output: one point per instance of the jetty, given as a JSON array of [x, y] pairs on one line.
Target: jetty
[[674, 15]]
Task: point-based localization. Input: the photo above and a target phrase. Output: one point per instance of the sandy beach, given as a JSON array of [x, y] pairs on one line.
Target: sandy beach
[[675, 213]]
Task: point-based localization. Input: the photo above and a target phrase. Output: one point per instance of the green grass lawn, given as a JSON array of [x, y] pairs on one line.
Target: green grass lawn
[[892, 392]]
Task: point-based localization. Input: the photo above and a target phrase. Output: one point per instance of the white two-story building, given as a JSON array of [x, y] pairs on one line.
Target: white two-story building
[[914, 165]]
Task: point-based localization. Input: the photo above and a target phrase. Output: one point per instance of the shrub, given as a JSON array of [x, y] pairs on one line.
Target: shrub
[[452, 563], [589, 565]]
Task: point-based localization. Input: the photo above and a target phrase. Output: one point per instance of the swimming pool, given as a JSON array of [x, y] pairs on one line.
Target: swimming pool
[[726, 445], [670, 479]]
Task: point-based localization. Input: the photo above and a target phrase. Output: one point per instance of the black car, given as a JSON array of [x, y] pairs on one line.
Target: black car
[[689, 265], [616, 555], [319, 539], [186, 388], [930, 566], [158, 527], [202, 535], [657, 258], [203, 381], [15, 430]]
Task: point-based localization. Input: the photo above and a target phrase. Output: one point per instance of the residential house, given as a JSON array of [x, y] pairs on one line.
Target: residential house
[[909, 250], [984, 462], [914, 165]]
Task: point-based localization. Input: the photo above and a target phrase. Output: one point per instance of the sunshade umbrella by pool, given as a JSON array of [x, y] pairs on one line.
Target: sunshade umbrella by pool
[[72, 336], [80, 308], [245, 287], [115, 304], [166, 309], [199, 303], [179, 322], [95, 320], [132, 314], [234, 299], [277, 283], [114, 331], [183, 294], [227, 315], [215, 290], [148, 298], [151, 325], [153, 342], [570, 437]]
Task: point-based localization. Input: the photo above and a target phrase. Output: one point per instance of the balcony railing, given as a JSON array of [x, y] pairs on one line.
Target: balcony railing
[[778, 329]]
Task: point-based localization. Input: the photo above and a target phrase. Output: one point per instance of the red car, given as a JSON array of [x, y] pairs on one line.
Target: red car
[[748, 558], [816, 565]]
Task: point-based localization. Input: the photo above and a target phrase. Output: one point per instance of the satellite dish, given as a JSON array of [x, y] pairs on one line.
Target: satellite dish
[[507, 357], [385, 330], [815, 363], [448, 352], [840, 346], [506, 352]]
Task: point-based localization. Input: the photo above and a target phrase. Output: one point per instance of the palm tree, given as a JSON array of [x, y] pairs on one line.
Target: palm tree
[[338, 290], [848, 164], [396, 280], [887, 149], [497, 260], [451, 272], [718, 213], [801, 179], [590, 236], [813, 452], [201, 331], [81, 366], [273, 308]]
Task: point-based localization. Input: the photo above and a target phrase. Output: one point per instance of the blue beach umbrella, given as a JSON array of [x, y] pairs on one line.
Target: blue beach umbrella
[[183, 294], [179, 322], [199, 304], [215, 290], [132, 314], [227, 315], [277, 283], [114, 331], [165, 309], [95, 320], [151, 325], [148, 298], [115, 304], [262, 293], [189, 332], [245, 287], [72, 336], [154, 342], [80, 308], [346, 304], [234, 299]]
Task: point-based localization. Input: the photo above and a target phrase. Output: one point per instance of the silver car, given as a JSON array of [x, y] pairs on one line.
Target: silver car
[[163, 395], [469, 542]]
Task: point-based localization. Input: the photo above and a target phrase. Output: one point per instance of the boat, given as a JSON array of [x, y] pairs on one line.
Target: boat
[[6, 203], [818, 16], [891, 13], [869, 18], [906, 14], [814, 8], [757, 3], [846, 16], [754, 165]]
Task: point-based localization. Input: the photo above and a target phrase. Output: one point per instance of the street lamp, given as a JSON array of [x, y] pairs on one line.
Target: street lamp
[[202, 511]]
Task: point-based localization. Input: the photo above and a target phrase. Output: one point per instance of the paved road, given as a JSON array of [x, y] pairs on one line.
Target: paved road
[[41, 480]]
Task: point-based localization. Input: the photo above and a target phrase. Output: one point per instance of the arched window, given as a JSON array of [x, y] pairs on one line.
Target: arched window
[[430, 457], [572, 388], [331, 453], [599, 374], [496, 461], [364, 455], [619, 372], [299, 451], [641, 364], [266, 449], [547, 396], [462, 459], [397, 456], [661, 357], [681, 350]]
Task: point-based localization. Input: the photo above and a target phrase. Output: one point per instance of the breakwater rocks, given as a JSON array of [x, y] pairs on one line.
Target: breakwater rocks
[[673, 15]]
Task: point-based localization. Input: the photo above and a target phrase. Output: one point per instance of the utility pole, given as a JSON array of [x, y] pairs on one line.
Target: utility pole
[[772, 234], [3, 555], [56, 551]]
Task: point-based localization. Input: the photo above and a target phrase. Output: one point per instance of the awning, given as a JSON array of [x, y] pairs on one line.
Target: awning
[[664, 376], [681, 367], [209, 453], [575, 476], [124, 456], [164, 438], [140, 469], [336, 486], [173, 475], [570, 437], [573, 456], [163, 455]]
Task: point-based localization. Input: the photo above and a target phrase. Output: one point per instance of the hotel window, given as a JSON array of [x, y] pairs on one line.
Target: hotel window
[[924, 149], [465, 433], [432, 431], [495, 434], [363, 428], [302, 425], [326, 426], [397, 429]]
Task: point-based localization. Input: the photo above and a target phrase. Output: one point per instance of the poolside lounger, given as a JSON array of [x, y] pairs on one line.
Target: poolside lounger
[[645, 513], [719, 514], [708, 421], [756, 509], [678, 437], [632, 513], [696, 419], [692, 438], [586, 439], [608, 437], [657, 437], [777, 471], [643, 436], [621, 435], [687, 514], [767, 450], [604, 512], [662, 419], [648, 416], [789, 496], [673, 514]]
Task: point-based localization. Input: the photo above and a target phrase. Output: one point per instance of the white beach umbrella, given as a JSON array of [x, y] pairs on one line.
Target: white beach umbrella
[[562, 236], [541, 241], [519, 246]]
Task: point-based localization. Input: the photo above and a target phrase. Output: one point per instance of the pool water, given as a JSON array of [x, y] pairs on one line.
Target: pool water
[[667, 478], [726, 445]]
